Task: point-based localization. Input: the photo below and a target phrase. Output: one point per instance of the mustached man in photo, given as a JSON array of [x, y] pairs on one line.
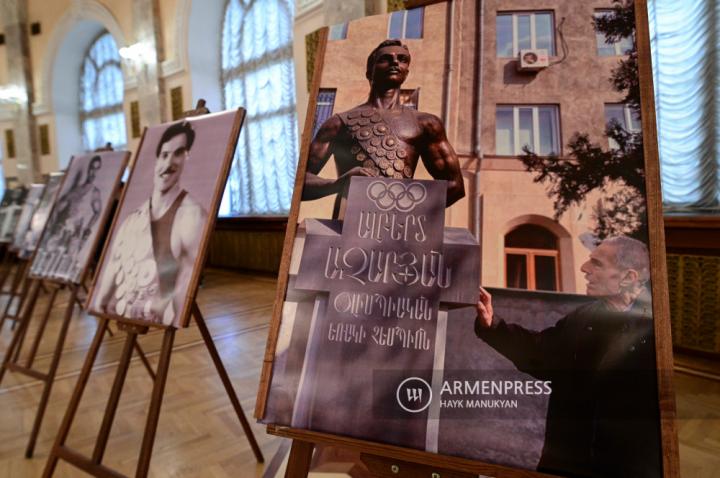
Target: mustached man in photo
[[155, 247]]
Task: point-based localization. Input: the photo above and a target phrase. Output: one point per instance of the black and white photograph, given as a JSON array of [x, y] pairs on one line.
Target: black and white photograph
[[152, 257], [40, 216], [76, 220], [10, 210], [32, 201]]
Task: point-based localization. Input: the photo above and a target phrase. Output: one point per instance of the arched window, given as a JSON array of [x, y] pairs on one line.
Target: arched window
[[101, 95], [531, 258], [258, 74]]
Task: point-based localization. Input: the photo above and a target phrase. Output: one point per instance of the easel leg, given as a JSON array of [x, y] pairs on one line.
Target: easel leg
[[41, 329], [12, 295], [145, 361], [298, 464], [19, 333], [155, 404], [114, 398], [226, 382], [25, 308], [75, 399], [51, 373]]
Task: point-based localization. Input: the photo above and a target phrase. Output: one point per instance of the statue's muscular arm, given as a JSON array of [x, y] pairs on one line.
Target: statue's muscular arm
[[321, 149], [439, 157]]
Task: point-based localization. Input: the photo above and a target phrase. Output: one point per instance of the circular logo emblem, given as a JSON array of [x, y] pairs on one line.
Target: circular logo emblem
[[414, 395]]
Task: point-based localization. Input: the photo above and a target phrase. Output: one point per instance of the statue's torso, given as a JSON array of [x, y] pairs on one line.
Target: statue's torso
[[385, 141]]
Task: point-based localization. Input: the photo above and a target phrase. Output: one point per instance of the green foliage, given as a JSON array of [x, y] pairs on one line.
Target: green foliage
[[618, 173]]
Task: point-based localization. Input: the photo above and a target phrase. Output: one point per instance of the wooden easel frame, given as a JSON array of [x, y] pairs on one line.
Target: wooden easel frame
[[18, 290], [28, 299], [93, 465], [11, 361], [393, 461]]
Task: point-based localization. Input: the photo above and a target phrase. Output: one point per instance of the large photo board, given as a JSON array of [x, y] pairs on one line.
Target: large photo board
[[10, 210], [467, 268], [81, 209], [40, 215], [32, 201], [150, 266]]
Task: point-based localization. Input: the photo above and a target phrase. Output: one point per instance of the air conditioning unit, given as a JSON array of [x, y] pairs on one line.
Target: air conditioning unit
[[533, 60]]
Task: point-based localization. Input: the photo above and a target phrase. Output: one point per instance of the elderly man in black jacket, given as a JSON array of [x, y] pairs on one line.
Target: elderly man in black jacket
[[602, 418]]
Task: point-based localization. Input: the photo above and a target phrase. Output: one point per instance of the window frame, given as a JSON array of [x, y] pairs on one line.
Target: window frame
[[342, 28], [533, 30], [317, 121], [517, 147], [616, 45], [404, 14], [530, 255], [628, 121], [243, 70], [99, 112]]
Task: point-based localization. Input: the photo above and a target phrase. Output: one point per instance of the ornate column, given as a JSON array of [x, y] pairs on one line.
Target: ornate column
[[19, 90]]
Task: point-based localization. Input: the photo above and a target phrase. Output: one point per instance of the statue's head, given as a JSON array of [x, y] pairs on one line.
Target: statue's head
[[388, 63]]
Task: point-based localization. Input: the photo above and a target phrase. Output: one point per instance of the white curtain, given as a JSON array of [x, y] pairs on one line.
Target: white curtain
[[258, 73], [101, 95], [684, 42]]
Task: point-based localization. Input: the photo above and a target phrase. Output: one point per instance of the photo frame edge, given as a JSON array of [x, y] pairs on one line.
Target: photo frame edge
[[238, 122], [106, 215], [31, 259], [656, 246], [283, 273]]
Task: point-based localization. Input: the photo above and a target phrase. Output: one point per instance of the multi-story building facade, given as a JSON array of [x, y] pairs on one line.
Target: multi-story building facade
[[465, 64]]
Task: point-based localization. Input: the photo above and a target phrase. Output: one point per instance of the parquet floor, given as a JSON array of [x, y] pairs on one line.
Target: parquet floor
[[199, 435]]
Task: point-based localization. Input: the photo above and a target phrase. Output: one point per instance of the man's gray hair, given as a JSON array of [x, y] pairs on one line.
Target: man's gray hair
[[631, 254]]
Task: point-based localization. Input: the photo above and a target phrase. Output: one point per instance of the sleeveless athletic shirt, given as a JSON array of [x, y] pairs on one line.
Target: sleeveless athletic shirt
[[167, 265]]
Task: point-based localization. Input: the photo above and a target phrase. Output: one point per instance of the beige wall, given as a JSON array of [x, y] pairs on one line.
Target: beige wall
[[58, 18], [580, 86]]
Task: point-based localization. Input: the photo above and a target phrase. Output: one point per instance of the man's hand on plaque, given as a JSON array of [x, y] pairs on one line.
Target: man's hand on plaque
[[484, 308]]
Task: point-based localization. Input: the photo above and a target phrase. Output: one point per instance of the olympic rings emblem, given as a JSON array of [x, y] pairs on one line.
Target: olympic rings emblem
[[396, 195]]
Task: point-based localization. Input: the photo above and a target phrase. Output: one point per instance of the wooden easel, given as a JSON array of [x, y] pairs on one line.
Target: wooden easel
[[93, 465], [18, 289], [389, 461], [12, 361]]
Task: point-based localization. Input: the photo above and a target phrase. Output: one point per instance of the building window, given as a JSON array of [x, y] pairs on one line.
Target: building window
[[533, 127], [324, 109], [410, 98], [628, 119], [338, 31], [101, 95], [406, 24], [611, 49], [258, 73], [524, 31], [531, 259]]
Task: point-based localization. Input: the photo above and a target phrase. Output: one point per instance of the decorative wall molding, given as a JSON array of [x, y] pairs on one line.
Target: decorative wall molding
[[78, 12], [305, 8], [178, 64]]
